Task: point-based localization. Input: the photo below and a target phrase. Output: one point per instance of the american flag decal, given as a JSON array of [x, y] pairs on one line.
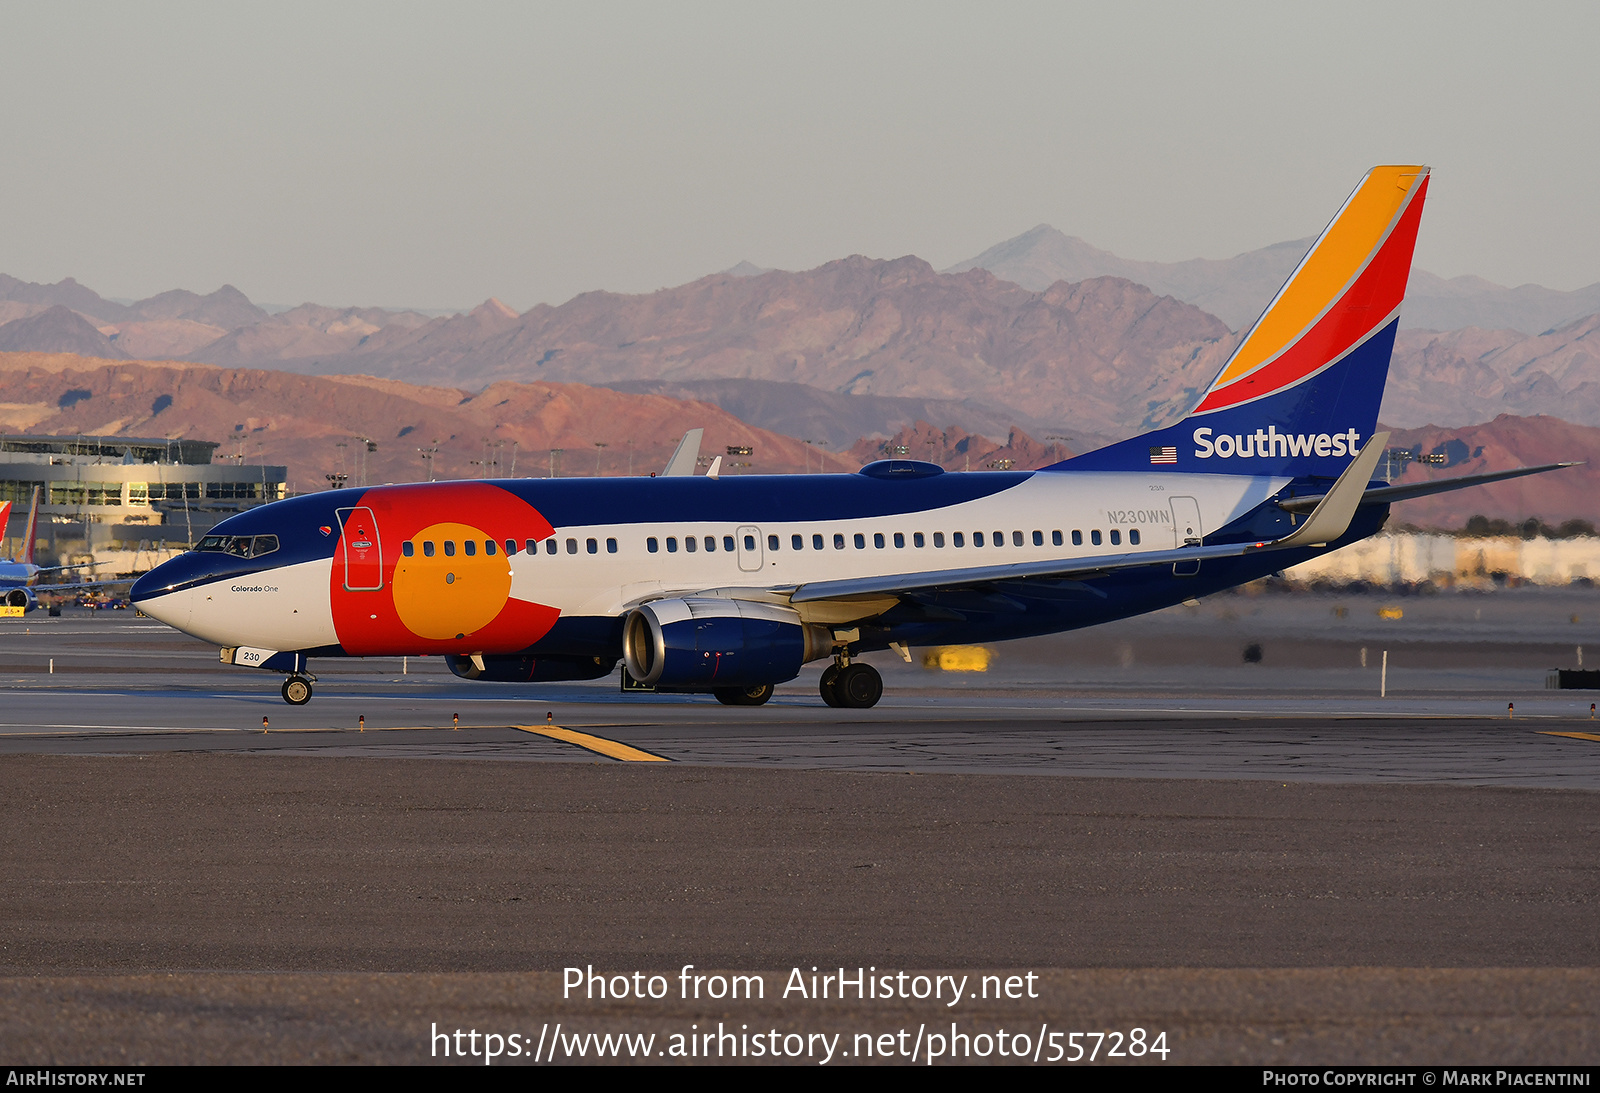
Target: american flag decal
[[1163, 455]]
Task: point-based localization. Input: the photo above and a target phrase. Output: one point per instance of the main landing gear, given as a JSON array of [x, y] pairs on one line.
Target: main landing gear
[[744, 696], [297, 690], [852, 686]]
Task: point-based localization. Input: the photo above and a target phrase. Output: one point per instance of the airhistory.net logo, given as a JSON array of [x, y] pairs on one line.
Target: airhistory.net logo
[[1268, 443]]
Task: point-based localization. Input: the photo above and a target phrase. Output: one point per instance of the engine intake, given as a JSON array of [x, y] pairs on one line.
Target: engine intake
[[697, 642]]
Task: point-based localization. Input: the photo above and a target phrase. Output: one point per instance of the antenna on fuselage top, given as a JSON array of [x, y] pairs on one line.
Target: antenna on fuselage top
[[684, 459]]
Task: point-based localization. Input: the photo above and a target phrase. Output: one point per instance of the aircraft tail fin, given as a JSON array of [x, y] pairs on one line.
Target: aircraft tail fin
[[1300, 395], [685, 456], [30, 532]]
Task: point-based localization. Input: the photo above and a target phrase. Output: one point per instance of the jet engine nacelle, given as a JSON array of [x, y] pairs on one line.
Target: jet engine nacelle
[[698, 642], [519, 668], [21, 597]]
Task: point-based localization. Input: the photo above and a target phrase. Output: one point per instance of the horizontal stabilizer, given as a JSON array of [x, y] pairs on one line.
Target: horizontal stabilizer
[[1387, 494]]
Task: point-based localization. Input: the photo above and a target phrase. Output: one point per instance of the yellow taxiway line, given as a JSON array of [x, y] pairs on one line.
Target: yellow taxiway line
[[1574, 735], [599, 744]]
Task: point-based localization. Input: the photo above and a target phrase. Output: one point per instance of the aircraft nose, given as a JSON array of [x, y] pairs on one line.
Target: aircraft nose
[[166, 592]]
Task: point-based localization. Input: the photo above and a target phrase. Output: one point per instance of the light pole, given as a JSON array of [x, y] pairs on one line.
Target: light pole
[[599, 446]]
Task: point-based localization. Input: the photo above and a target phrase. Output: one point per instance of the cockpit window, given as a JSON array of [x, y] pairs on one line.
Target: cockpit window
[[240, 546]]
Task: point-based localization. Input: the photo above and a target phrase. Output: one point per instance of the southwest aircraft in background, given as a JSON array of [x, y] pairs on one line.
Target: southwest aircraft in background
[[728, 586], [18, 575]]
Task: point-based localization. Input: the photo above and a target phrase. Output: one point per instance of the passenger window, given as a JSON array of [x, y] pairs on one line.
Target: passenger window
[[652, 545], [899, 540], [772, 542], [711, 543], [533, 546], [1133, 537], [449, 548], [838, 541], [427, 548], [672, 544], [861, 541], [489, 547], [999, 538], [1116, 537], [1094, 537], [1077, 538], [938, 539], [918, 541], [749, 542], [408, 548], [511, 547], [572, 546], [727, 543], [877, 539], [977, 539], [956, 539], [816, 542], [611, 546], [689, 544], [797, 542], [1016, 538], [470, 548], [592, 546], [1055, 538], [550, 545]]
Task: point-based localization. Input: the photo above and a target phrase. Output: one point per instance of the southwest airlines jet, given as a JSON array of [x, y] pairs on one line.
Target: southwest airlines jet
[[727, 586]]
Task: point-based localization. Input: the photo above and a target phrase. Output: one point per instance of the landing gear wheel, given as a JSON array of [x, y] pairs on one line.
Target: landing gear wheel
[[858, 687], [297, 690], [744, 696], [830, 676]]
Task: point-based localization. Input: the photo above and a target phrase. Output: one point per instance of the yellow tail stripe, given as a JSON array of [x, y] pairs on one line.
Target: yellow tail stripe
[[600, 744], [1335, 258]]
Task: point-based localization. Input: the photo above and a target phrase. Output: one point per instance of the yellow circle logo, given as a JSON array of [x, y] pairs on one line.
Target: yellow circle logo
[[450, 593]]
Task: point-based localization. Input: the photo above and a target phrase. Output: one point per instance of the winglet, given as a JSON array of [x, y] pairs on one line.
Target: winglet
[[1331, 518], [715, 470], [682, 463]]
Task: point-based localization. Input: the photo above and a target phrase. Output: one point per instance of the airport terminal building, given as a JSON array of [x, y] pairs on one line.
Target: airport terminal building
[[123, 502]]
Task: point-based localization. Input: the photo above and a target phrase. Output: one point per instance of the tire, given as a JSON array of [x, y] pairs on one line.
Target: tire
[[296, 691], [858, 687], [744, 696], [830, 676]]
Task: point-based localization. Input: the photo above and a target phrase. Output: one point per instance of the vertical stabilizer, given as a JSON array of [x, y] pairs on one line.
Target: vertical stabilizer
[[25, 555], [1300, 395], [683, 460]]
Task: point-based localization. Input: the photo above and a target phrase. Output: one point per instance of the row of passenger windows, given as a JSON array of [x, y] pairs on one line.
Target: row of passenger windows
[[880, 541], [491, 548], [691, 543]]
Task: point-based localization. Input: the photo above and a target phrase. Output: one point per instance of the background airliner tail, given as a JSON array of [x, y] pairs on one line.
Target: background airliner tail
[[30, 532], [1300, 395]]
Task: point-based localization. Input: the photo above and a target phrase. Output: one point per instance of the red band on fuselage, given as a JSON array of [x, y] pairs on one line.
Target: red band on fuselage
[[436, 604]]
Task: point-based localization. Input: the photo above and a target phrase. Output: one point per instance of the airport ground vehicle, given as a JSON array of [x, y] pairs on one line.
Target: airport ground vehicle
[[728, 584]]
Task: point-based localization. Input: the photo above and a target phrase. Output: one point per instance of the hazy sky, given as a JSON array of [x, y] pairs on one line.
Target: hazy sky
[[436, 154]]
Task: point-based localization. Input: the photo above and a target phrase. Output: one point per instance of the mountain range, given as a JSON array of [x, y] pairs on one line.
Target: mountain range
[[863, 347], [1237, 289]]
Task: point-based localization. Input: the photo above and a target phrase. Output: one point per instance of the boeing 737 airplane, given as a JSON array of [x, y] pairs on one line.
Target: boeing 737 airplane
[[17, 575], [728, 585]]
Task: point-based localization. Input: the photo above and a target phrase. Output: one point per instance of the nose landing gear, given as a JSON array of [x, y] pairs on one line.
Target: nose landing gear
[[297, 690]]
